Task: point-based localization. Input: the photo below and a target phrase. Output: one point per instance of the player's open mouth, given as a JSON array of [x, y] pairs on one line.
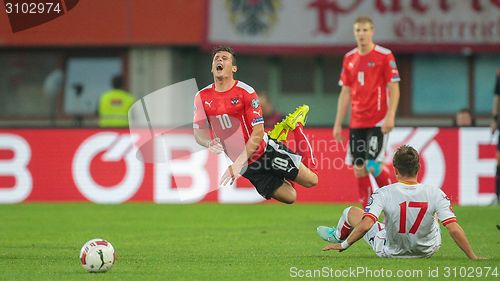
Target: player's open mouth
[[219, 67]]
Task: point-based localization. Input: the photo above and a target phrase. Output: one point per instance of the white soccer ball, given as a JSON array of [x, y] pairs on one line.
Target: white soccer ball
[[97, 255]]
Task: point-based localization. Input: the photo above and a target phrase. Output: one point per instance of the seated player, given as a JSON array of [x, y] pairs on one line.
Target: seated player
[[228, 118], [411, 212]]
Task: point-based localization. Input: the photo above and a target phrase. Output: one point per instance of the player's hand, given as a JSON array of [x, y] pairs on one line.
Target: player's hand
[[388, 125], [337, 133], [335, 246], [231, 174], [215, 146], [493, 126]]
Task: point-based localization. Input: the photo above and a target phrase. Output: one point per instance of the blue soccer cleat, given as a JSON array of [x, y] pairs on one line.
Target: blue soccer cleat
[[327, 233]]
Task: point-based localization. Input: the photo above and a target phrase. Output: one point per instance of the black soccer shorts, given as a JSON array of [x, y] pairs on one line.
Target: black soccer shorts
[[269, 171], [366, 144]]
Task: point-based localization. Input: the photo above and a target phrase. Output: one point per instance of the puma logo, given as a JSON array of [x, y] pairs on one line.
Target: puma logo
[[256, 112], [209, 103]]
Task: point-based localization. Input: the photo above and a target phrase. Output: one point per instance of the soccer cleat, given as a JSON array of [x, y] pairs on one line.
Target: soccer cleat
[[327, 233], [298, 116], [281, 129]]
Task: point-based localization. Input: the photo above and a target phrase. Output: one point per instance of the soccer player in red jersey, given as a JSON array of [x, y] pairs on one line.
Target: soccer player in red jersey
[[369, 81], [228, 118]]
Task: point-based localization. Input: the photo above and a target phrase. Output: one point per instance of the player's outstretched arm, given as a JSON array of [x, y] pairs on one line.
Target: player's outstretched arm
[[458, 234], [357, 233], [233, 171], [342, 107]]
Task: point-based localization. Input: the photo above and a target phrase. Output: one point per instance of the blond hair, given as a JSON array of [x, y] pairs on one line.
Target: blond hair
[[364, 19]]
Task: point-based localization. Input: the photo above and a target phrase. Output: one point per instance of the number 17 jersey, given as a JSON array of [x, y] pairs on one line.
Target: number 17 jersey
[[411, 213]]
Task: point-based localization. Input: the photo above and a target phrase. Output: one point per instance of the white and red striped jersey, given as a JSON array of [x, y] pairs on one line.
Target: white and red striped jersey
[[411, 214]]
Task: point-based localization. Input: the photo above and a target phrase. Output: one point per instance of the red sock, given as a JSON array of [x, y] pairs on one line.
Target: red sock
[[304, 148], [345, 230], [383, 179], [365, 189]]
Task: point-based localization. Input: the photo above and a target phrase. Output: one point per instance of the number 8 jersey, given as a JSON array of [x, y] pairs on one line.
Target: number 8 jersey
[[230, 115], [411, 213]]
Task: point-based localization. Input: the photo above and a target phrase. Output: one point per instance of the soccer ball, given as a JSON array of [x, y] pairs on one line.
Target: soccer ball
[[97, 255]]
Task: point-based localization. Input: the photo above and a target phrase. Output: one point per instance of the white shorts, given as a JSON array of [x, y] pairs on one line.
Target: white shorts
[[376, 237]]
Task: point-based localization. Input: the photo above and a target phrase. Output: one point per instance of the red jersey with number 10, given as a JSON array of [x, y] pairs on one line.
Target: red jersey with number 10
[[367, 76], [230, 115]]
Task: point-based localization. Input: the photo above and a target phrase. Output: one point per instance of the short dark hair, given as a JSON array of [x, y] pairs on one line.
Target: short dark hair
[[468, 111], [225, 49], [407, 161], [117, 82]]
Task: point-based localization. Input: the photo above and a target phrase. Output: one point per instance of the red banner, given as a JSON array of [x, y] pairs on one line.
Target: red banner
[[101, 23], [104, 167]]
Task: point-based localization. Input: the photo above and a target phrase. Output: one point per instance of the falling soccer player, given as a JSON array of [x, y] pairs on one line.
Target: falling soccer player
[[228, 118]]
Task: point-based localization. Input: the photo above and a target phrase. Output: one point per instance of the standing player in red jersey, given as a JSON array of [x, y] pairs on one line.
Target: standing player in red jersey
[[228, 118], [369, 75]]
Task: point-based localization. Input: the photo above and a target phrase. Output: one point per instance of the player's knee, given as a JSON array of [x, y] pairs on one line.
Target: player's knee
[[291, 198], [373, 167], [311, 181], [360, 171], [352, 210], [346, 211]]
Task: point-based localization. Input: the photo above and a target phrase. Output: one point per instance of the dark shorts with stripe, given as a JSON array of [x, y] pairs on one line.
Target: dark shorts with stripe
[[366, 144], [274, 166]]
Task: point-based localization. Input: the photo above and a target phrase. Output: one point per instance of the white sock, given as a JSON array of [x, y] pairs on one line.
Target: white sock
[[343, 226]]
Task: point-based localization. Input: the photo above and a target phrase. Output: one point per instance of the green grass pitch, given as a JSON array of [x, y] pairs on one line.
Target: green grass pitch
[[214, 242]]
